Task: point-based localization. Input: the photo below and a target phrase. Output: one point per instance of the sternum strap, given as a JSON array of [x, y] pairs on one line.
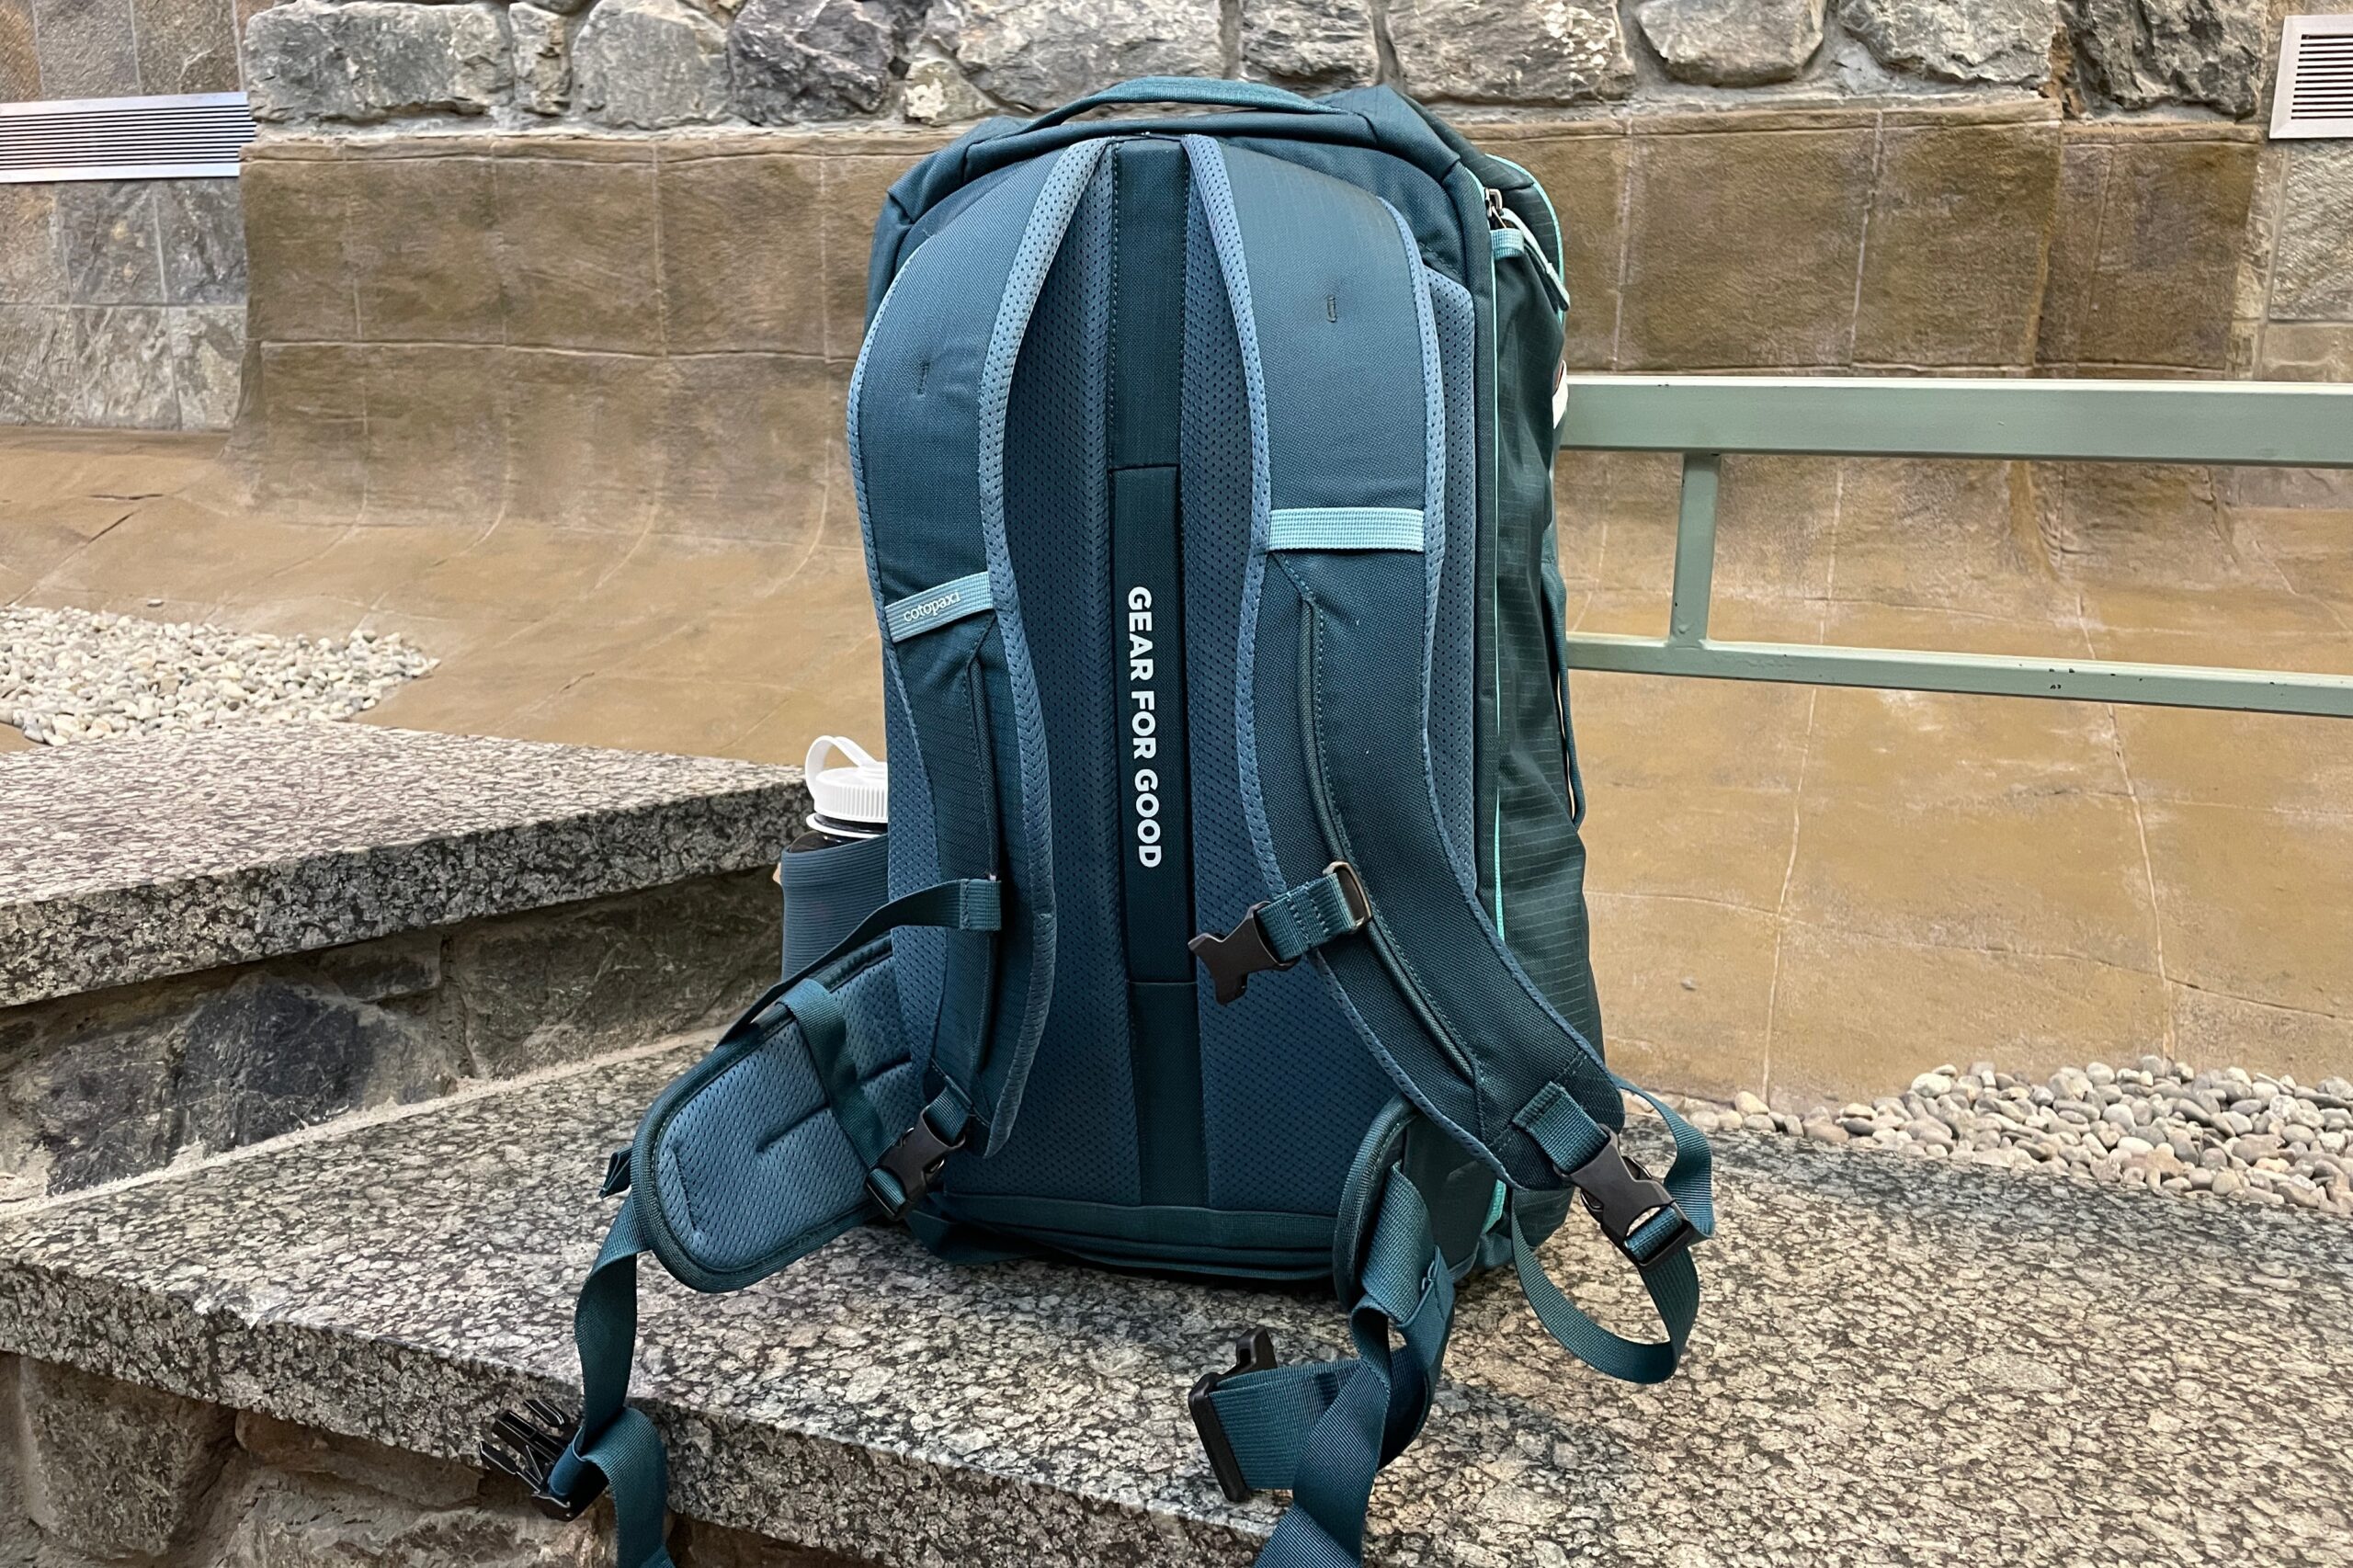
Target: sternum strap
[[1148, 631]]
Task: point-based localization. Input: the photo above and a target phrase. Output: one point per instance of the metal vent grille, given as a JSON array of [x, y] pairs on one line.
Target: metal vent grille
[[2315, 97], [184, 136]]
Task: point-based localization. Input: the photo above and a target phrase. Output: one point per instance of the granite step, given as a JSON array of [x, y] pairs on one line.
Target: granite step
[[212, 938], [1896, 1362]]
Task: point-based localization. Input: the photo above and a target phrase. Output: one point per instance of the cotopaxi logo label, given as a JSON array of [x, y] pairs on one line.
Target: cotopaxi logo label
[[1143, 725]]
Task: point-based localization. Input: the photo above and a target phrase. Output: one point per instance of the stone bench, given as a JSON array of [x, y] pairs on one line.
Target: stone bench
[[213, 938], [286, 1353]]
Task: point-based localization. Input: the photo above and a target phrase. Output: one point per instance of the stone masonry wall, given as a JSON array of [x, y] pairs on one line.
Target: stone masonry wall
[[118, 305], [121, 301], [94, 1471], [114, 1083]]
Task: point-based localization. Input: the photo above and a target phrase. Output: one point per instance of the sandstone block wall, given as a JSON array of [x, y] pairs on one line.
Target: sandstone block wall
[[117, 306]]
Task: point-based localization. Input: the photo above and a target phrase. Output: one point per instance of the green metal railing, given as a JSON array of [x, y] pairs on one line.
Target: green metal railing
[[1705, 418]]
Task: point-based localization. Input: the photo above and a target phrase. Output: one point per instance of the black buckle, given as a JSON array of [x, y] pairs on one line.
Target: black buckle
[[526, 1443], [1242, 952], [1621, 1195], [1254, 1352], [913, 1163]]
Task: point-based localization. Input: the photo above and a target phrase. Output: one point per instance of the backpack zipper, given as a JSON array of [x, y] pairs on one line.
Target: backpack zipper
[[1502, 219]]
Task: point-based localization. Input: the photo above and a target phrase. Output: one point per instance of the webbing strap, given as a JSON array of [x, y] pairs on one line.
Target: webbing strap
[[1656, 1245], [618, 1443], [1310, 914], [1324, 1429]]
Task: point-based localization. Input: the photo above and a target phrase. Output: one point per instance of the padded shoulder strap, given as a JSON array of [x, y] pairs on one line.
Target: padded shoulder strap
[[1350, 432], [927, 407]]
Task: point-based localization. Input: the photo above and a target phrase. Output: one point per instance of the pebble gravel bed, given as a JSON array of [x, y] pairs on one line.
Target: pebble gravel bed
[[2160, 1124], [70, 675]]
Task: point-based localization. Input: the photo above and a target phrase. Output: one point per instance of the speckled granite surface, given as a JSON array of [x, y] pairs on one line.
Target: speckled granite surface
[[1897, 1363], [155, 855]]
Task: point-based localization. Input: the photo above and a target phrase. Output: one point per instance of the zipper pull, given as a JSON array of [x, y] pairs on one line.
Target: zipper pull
[[1502, 217]]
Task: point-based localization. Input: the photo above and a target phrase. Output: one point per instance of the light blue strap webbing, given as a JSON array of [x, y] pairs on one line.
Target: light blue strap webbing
[[1324, 1429], [1345, 528], [935, 608], [1307, 916], [1657, 1247]]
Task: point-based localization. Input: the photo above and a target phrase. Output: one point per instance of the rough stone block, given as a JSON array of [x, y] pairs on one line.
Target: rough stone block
[[1034, 55], [29, 273], [571, 983], [737, 270], [294, 1450], [1732, 43], [1960, 226], [1743, 248], [370, 59], [106, 241], [421, 239], [201, 235], [36, 353], [1508, 51], [2313, 269], [111, 1469], [1310, 43], [2143, 53], [20, 55], [436, 429], [299, 283], [119, 373], [2307, 351], [649, 63], [578, 250], [185, 46], [1992, 42], [89, 49], [207, 349], [745, 441], [542, 59], [937, 93], [2145, 253], [292, 1522], [308, 445], [817, 59], [577, 450]]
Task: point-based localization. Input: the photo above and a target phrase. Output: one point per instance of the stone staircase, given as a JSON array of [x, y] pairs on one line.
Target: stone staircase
[[283, 1353]]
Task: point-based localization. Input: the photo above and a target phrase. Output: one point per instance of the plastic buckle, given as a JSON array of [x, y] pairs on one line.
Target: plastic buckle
[[913, 1163], [1242, 952], [526, 1443], [1621, 1195], [1254, 1352]]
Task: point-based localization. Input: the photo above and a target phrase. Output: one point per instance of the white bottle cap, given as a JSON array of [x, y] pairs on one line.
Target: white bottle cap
[[859, 793]]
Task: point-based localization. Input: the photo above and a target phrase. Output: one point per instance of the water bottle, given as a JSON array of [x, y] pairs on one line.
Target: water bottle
[[837, 870]]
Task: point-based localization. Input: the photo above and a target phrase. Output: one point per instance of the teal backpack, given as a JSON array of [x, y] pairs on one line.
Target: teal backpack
[[1230, 919]]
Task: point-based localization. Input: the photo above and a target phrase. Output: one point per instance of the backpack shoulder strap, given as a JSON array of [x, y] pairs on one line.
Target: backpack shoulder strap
[[1341, 596], [817, 1109]]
